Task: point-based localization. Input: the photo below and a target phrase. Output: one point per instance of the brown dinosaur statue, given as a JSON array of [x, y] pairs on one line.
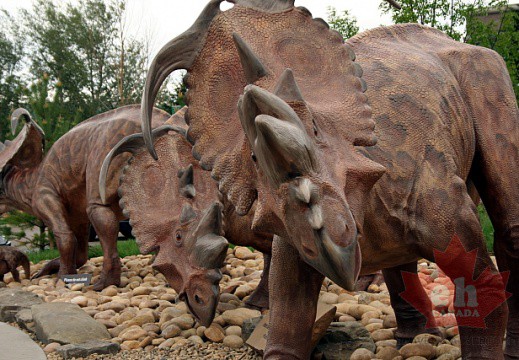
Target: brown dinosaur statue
[[61, 187], [161, 197], [296, 163], [10, 259]]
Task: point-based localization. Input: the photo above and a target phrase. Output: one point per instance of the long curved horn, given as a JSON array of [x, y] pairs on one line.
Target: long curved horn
[[21, 112], [179, 53], [130, 143], [394, 4]]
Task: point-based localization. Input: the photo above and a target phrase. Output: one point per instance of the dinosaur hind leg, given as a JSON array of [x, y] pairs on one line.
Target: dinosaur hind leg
[[451, 235], [107, 227], [493, 106], [499, 189]]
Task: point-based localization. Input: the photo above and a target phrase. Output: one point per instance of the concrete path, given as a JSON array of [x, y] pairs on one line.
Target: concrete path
[[17, 345]]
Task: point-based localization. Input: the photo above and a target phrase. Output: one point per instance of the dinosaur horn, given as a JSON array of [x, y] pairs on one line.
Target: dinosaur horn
[[186, 186], [394, 4], [179, 53], [15, 118], [275, 132], [130, 143], [2, 146], [287, 88], [252, 66], [187, 214], [210, 248]]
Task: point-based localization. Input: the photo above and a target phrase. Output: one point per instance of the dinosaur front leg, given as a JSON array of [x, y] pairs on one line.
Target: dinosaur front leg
[[107, 227], [410, 321], [294, 289], [260, 297]]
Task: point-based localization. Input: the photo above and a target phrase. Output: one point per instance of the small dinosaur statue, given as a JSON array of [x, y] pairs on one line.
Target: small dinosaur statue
[[10, 259]]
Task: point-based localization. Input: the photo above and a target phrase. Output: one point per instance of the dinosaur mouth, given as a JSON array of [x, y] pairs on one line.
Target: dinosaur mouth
[[341, 264]]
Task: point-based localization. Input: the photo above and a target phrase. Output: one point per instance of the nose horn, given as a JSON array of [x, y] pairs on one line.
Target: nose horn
[[211, 222]]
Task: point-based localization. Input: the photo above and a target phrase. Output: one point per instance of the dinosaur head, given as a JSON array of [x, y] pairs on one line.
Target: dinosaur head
[[170, 218], [277, 110], [22, 153]]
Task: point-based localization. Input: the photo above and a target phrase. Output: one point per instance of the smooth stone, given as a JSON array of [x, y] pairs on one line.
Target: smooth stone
[[237, 316], [215, 333], [134, 332], [243, 253], [382, 334], [362, 354], [387, 353], [51, 347], [171, 331], [233, 341], [233, 330], [427, 339], [424, 350]]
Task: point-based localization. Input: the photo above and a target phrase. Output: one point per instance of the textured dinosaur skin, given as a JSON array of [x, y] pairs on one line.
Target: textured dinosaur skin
[[445, 114], [61, 188], [10, 259]]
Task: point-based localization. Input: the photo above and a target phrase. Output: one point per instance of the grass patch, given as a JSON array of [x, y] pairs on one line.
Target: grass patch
[[488, 229], [125, 248]]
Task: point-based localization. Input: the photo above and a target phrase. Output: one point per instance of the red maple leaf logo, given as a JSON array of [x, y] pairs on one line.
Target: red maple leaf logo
[[474, 299]]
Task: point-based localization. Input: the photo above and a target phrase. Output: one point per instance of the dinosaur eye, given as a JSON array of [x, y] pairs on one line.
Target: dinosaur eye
[[254, 157], [178, 237]]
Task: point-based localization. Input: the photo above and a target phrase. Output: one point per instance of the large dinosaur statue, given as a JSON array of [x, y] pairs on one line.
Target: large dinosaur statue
[[445, 113], [61, 187]]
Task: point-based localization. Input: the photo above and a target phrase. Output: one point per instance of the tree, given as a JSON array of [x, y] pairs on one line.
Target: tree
[[11, 58], [23, 223], [345, 23], [463, 20]]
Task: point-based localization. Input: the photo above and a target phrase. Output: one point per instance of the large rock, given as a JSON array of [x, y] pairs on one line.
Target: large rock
[[16, 345], [14, 300], [342, 339], [83, 350], [66, 324]]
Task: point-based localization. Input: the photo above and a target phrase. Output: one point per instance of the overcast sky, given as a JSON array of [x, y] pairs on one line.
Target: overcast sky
[[165, 19]]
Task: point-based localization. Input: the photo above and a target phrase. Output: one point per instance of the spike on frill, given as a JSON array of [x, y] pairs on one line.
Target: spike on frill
[[252, 66]]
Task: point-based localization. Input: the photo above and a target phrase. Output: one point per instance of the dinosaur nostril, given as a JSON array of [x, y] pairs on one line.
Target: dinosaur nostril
[[311, 253], [198, 300]]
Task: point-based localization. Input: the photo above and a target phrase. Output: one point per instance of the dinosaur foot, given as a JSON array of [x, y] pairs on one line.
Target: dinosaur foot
[[51, 267], [258, 300], [369, 282], [107, 280]]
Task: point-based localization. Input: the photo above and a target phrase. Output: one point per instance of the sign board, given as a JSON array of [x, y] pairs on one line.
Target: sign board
[[77, 279], [323, 319]]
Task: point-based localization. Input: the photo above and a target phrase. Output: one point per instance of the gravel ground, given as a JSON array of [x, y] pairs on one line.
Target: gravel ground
[[144, 317]]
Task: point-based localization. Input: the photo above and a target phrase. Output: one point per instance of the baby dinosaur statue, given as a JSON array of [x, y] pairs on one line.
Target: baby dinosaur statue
[[278, 113], [10, 259], [61, 187]]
